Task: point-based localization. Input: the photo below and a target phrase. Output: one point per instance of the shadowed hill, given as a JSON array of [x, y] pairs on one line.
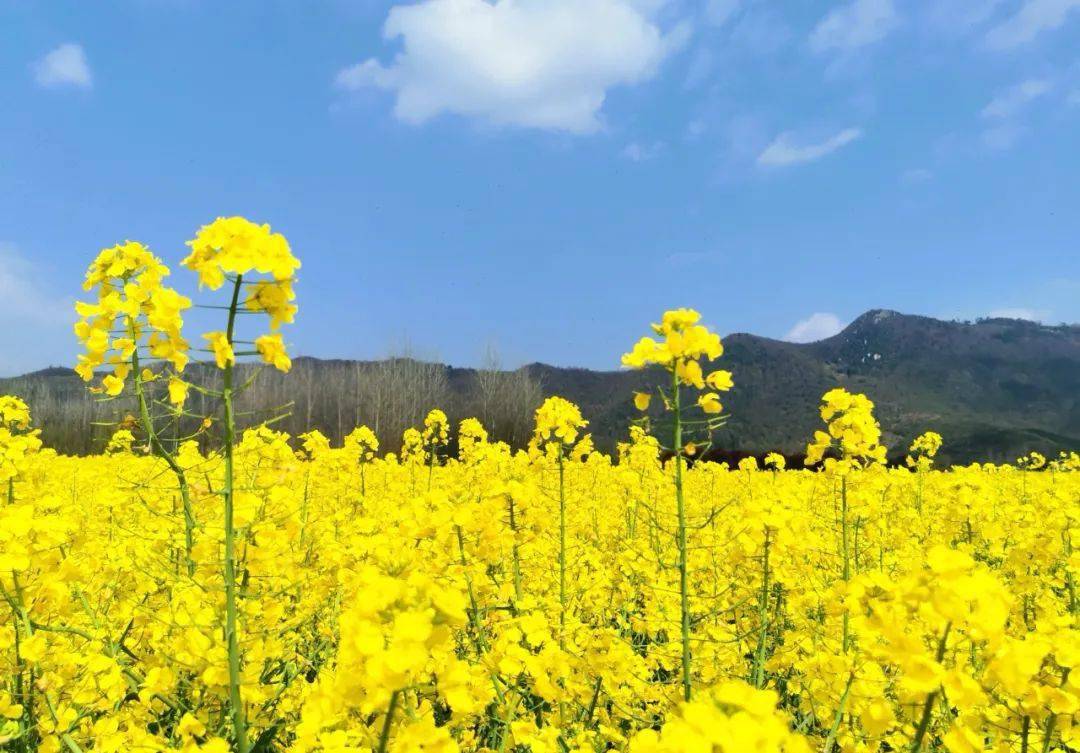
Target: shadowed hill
[[994, 389]]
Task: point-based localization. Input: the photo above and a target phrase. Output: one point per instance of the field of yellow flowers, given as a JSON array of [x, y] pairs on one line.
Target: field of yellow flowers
[[279, 594]]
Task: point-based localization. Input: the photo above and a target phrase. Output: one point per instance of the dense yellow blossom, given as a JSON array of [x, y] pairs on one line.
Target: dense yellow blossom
[[775, 461], [235, 245], [134, 309], [272, 350], [436, 429], [221, 348], [14, 412], [853, 433], [685, 343], [363, 441], [558, 422], [435, 614], [923, 449], [18, 442], [684, 340], [257, 261]]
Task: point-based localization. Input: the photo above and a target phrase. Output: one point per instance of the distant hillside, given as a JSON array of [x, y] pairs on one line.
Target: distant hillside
[[995, 389]]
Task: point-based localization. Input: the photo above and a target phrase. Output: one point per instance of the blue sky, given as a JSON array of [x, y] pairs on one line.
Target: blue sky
[[549, 175]]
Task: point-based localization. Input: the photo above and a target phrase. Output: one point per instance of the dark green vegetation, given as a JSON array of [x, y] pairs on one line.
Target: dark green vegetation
[[994, 389]]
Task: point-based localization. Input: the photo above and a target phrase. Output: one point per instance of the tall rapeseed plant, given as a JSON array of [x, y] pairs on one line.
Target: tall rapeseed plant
[[685, 343]]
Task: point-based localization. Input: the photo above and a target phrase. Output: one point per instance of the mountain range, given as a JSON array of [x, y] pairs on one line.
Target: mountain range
[[994, 388]]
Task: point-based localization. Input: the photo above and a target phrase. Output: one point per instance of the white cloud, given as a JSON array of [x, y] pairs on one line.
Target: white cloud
[[694, 258], [64, 66], [960, 16], [1001, 137], [785, 151], [1014, 99], [916, 175], [814, 327], [20, 296], [1027, 314], [860, 23], [1033, 18], [637, 152], [534, 63], [760, 32], [699, 69], [37, 322], [719, 12]]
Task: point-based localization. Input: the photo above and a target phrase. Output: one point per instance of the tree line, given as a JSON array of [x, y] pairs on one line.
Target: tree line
[[332, 396]]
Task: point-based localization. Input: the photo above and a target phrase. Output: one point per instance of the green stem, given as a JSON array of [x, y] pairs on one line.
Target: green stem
[[26, 691], [474, 607], [384, 736], [237, 714], [592, 704], [507, 720], [304, 508], [22, 696], [763, 607], [562, 569], [831, 739], [684, 594], [1051, 723], [516, 549], [159, 448], [928, 707], [846, 556], [562, 551], [1070, 586], [50, 703]]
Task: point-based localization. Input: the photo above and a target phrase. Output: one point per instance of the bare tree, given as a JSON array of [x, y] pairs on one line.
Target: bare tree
[[505, 400], [333, 396]]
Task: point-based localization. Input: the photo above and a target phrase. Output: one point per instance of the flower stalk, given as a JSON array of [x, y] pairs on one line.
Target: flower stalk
[[237, 712]]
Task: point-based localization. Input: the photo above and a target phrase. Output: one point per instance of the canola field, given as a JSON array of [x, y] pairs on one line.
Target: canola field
[[271, 593]]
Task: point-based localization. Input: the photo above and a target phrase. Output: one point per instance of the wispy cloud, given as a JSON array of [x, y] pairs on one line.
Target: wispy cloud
[[761, 31], [1003, 113], [36, 320], [22, 296], [64, 66], [699, 69], [784, 150], [719, 12], [638, 152], [1001, 137], [857, 24], [696, 128], [1013, 100], [817, 326], [954, 17], [1027, 314], [1032, 19], [916, 175]]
